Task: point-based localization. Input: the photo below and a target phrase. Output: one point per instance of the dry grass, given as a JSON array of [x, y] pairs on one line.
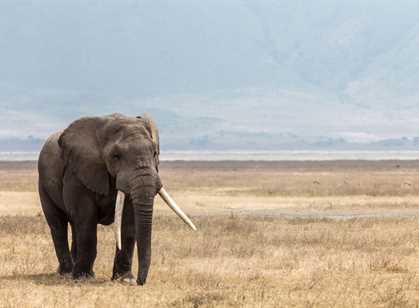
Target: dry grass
[[318, 179], [237, 258], [232, 261]]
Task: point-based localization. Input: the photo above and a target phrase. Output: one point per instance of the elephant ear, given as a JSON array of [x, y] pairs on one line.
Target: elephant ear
[[83, 156], [154, 132]]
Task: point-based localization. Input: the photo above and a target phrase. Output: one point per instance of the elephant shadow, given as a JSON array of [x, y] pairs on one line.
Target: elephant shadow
[[53, 279]]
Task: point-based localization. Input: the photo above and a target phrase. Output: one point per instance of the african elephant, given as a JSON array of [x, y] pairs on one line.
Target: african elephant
[[97, 171]]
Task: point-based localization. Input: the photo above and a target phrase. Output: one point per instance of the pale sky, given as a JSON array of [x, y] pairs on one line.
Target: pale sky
[[334, 68]]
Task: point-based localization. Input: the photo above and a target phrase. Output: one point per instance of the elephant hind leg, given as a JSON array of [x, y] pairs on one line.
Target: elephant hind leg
[[58, 224]]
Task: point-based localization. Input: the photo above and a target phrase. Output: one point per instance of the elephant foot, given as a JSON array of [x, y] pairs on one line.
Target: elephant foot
[[65, 275], [127, 278], [64, 271], [83, 275]]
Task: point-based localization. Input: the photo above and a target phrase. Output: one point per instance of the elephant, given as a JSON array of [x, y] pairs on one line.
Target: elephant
[[101, 170]]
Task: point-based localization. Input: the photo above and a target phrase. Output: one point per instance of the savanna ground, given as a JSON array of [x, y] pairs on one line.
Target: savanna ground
[[273, 234]]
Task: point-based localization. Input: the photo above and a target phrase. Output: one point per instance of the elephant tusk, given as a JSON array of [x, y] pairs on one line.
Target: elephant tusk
[[119, 209], [172, 204]]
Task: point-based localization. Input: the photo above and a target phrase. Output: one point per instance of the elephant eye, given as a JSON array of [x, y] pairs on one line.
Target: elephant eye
[[116, 156]]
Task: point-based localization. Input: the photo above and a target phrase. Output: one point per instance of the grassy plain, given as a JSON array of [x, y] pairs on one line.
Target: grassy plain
[[278, 234]]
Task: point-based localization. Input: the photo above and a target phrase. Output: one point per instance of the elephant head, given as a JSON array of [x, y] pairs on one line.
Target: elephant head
[[119, 153]]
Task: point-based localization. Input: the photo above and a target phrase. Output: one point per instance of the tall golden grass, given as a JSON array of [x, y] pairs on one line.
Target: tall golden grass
[[237, 259], [231, 262]]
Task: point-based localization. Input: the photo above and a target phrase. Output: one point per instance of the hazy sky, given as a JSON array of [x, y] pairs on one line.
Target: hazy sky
[[329, 68]]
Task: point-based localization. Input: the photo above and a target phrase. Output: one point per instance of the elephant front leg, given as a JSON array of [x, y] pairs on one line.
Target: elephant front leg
[[122, 268], [80, 203], [85, 235], [85, 246]]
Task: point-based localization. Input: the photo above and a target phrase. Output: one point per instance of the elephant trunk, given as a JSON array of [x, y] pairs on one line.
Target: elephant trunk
[[144, 188], [144, 185], [143, 221]]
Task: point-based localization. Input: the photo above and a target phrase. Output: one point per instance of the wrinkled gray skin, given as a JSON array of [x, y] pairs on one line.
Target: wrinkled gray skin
[[80, 171]]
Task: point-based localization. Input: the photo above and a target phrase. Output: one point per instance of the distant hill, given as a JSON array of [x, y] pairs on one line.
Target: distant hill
[[215, 74], [225, 141]]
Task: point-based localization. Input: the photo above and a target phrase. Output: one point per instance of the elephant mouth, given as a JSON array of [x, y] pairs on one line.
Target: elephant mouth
[[119, 209]]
